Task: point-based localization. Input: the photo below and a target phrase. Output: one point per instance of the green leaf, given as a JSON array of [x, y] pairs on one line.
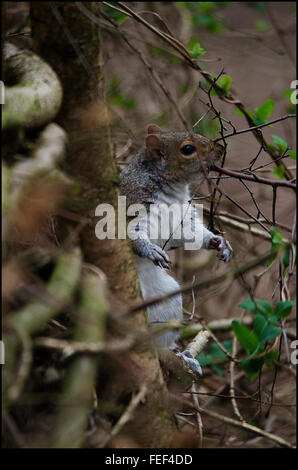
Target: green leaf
[[272, 147], [218, 370], [246, 337], [204, 359], [252, 367], [276, 243], [117, 16], [292, 154], [195, 49], [238, 111], [283, 308], [279, 171], [281, 144], [257, 306], [270, 357], [263, 112], [264, 330], [287, 93], [225, 82], [259, 6], [261, 26], [218, 353], [276, 238], [286, 258]]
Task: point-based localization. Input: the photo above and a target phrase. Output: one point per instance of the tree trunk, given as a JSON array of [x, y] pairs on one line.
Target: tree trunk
[[71, 44]]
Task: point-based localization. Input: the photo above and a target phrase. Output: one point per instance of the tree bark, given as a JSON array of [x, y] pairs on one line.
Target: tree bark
[[71, 44]]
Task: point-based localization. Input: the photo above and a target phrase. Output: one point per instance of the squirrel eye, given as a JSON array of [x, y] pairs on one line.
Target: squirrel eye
[[187, 149]]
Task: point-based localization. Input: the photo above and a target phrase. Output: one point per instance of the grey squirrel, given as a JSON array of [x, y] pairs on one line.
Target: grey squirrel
[[161, 174]]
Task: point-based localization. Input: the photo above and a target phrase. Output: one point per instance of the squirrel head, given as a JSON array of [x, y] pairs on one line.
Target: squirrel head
[[179, 154]]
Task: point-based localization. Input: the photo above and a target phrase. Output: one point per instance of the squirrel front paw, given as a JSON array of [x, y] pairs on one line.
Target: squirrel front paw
[[223, 247], [151, 251], [191, 361]]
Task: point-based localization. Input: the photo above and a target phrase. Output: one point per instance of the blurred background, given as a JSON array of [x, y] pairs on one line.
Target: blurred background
[[254, 45]]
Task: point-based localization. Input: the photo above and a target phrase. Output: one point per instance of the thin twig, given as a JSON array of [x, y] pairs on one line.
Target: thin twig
[[127, 415], [253, 128], [254, 178], [198, 414], [238, 424], [212, 280]]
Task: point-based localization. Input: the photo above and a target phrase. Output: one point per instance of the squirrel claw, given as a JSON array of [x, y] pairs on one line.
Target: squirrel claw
[[160, 257], [222, 246]]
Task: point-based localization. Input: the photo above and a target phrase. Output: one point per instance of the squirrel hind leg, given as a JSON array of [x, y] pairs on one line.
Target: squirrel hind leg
[[162, 313], [156, 282]]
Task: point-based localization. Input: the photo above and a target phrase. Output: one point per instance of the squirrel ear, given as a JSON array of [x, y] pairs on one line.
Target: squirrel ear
[[154, 146], [153, 129]]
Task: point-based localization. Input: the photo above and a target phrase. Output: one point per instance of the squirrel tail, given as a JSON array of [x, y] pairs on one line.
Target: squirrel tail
[[156, 282]]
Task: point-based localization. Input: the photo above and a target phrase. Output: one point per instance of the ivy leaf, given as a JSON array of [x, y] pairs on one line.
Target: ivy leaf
[[246, 337], [257, 306], [283, 308], [263, 112], [264, 330]]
